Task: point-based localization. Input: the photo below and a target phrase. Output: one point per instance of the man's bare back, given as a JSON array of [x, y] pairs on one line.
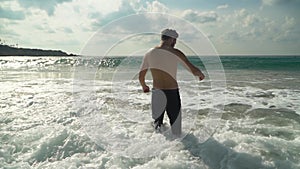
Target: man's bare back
[[163, 79], [163, 62]]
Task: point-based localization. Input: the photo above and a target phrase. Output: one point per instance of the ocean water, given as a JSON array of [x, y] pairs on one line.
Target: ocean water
[[81, 112]]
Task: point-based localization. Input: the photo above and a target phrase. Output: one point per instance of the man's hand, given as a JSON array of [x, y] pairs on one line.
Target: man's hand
[[146, 89], [142, 75], [200, 75]]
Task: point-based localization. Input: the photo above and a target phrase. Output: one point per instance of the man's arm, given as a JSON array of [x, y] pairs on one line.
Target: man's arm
[[142, 75], [193, 69]]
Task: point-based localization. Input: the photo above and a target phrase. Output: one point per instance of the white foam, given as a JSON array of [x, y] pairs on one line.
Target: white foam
[[38, 112]]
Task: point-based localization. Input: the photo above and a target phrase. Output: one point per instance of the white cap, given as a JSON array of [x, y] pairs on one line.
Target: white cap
[[170, 32]]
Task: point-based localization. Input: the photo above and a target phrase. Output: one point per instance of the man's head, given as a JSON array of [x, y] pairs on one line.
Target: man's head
[[169, 36]]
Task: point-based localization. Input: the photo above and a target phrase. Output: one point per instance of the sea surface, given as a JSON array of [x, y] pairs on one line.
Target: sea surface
[[90, 112]]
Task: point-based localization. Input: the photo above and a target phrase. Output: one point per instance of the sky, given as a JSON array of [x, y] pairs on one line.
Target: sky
[[232, 27]]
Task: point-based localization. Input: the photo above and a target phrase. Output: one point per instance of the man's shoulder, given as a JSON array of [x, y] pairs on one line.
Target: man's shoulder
[[178, 51], [156, 48], [151, 50], [160, 50]]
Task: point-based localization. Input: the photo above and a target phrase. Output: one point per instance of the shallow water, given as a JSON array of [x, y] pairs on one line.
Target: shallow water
[[69, 113]]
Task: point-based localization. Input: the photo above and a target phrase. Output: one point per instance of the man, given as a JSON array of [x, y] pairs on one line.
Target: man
[[162, 62]]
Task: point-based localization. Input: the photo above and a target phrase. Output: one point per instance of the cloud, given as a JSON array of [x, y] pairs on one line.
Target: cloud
[[36, 22], [44, 28], [67, 30], [10, 14], [156, 6], [200, 17], [225, 6], [46, 5], [124, 9], [272, 2], [279, 2], [250, 20], [244, 19], [241, 13], [247, 26], [287, 31], [7, 33]]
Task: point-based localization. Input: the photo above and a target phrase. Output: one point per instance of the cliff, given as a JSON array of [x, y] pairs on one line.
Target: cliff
[[6, 50]]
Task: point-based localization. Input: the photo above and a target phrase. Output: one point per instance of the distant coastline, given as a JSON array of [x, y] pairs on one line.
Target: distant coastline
[[6, 50]]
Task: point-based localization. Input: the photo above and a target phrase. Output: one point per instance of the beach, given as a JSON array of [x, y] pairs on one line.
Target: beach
[[77, 112]]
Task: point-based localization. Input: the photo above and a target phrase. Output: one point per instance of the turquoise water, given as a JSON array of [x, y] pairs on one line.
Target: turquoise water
[[90, 113], [272, 63]]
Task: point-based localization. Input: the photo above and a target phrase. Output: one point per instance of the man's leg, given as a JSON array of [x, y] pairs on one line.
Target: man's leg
[[159, 121], [174, 111], [158, 104]]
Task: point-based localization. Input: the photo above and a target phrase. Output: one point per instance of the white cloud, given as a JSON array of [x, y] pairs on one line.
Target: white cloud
[[290, 3], [245, 26], [289, 22], [286, 31], [268, 2], [48, 6], [156, 6], [225, 6], [250, 20], [124, 9], [244, 19], [241, 13], [200, 17], [8, 13], [273, 2], [65, 24]]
